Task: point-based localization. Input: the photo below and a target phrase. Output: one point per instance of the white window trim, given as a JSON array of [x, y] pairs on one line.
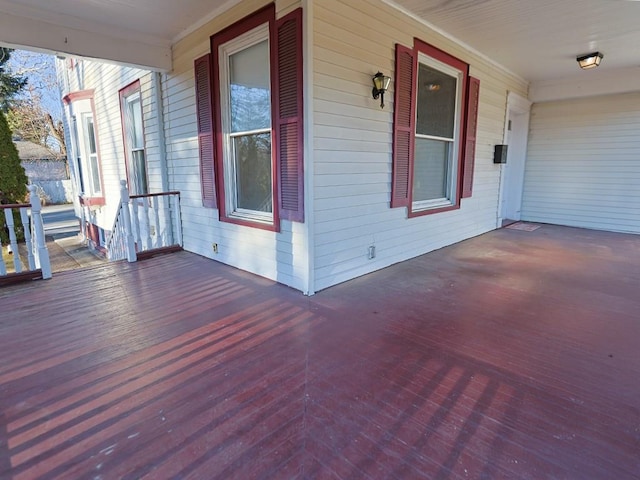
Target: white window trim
[[82, 110], [452, 168], [226, 50], [87, 117], [77, 155]]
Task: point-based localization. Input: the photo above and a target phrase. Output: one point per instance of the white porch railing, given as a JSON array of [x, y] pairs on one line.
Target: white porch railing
[[144, 223], [37, 263]]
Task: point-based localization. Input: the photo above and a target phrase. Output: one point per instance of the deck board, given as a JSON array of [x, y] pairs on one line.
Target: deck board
[[510, 355]]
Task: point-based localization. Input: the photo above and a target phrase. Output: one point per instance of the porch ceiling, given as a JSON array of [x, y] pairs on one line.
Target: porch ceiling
[[538, 40], [137, 32]]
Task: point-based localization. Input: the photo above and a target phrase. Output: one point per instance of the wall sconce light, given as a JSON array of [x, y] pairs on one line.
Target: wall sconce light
[[590, 60], [380, 85]]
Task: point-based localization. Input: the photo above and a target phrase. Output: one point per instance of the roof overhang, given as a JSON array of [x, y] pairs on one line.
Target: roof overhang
[[137, 33], [118, 47]]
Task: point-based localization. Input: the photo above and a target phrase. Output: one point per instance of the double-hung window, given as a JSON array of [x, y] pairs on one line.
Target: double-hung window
[[77, 154], [437, 136], [91, 154], [245, 103], [133, 128], [436, 105], [85, 146], [250, 120]]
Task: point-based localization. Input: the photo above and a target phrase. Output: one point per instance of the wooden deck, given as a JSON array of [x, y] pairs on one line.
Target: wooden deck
[[513, 355]]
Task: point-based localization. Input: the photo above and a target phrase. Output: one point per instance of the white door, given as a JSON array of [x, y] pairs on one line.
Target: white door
[[516, 135]]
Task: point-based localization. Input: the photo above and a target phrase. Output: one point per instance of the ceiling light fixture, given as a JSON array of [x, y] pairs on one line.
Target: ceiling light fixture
[[591, 60]]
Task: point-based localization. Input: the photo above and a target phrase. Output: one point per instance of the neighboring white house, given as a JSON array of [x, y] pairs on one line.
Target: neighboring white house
[[47, 170], [288, 168]]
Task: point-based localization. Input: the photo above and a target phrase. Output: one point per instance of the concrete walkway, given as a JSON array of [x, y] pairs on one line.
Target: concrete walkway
[[67, 251]]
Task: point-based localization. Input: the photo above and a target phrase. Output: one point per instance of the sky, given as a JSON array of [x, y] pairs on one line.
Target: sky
[[40, 70]]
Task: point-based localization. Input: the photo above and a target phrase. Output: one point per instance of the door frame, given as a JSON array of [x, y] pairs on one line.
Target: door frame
[[516, 105]]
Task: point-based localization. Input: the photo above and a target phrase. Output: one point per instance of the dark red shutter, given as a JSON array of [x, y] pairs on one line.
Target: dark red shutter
[[289, 116], [473, 94], [202, 67], [403, 127]]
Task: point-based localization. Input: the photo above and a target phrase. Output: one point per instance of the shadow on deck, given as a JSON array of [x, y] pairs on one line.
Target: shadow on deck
[[511, 355]]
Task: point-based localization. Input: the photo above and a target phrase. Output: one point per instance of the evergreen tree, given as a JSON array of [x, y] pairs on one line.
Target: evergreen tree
[[13, 180], [10, 84]]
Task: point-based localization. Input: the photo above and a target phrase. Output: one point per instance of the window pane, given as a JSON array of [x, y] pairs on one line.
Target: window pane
[[95, 174], [430, 168], [135, 112], [135, 145], [91, 135], [250, 88], [76, 146], [436, 108], [253, 172], [138, 173], [91, 153]]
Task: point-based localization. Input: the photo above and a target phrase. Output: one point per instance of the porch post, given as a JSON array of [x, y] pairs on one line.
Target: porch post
[[38, 233], [130, 245]]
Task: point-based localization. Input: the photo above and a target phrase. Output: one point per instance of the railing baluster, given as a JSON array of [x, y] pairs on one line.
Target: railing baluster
[[168, 219], [156, 222], [26, 225], [177, 220], [135, 222], [83, 223], [3, 267], [13, 241], [126, 217], [146, 223]]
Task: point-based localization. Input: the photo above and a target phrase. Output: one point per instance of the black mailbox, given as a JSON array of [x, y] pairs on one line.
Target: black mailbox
[[500, 154]]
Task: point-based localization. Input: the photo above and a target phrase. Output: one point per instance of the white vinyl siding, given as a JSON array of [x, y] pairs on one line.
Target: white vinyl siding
[[583, 163], [279, 256], [353, 143], [107, 80]]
